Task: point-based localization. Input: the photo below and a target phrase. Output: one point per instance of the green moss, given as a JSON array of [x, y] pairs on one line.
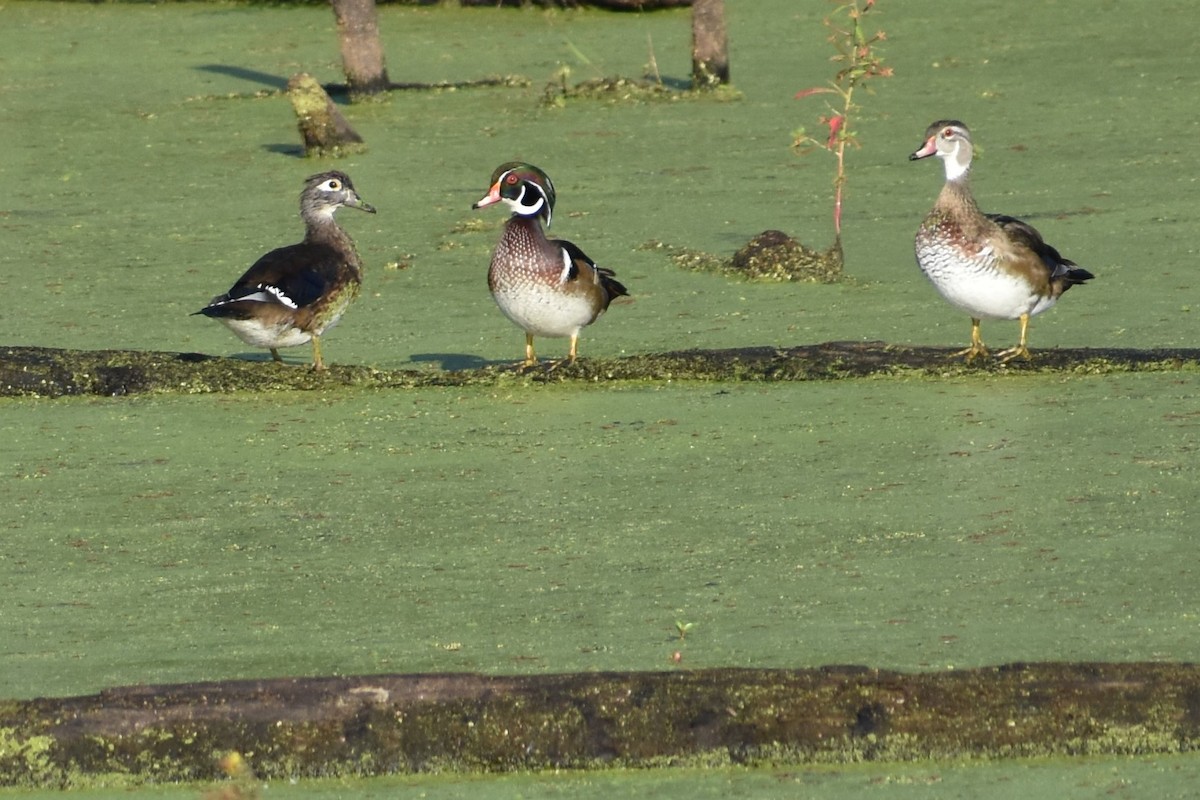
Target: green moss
[[341, 727], [771, 257], [46, 372], [26, 760], [622, 90]]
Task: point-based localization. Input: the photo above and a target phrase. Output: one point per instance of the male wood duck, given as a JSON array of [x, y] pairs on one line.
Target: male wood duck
[[294, 294], [989, 265], [547, 287]]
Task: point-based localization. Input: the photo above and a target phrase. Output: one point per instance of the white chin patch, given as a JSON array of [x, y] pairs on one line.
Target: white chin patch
[[955, 169]]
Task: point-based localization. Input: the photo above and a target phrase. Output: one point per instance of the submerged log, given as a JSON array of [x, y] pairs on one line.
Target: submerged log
[[323, 129], [386, 724], [50, 372]]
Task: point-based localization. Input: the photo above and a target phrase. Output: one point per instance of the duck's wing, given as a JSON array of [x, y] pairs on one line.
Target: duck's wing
[[577, 266]]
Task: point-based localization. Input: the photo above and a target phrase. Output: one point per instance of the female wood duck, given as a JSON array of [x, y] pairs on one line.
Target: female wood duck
[[988, 265], [294, 294], [547, 287]]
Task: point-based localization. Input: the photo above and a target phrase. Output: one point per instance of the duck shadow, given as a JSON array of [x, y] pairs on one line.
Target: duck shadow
[[676, 84], [293, 150], [256, 356], [455, 362]]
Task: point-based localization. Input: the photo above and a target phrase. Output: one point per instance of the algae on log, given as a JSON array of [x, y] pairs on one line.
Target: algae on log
[[372, 725], [323, 129], [50, 372]]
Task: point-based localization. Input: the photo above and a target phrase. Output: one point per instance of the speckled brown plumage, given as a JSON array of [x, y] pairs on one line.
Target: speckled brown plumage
[[547, 287], [991, 266]]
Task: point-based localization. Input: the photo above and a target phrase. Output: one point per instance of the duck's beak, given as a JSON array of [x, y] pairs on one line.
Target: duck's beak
[[927, 149], [357, 202], [493, 196]]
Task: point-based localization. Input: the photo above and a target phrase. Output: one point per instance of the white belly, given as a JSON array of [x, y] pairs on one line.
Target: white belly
[[544, 310], [976, 287], [256, 334], [989, 295]]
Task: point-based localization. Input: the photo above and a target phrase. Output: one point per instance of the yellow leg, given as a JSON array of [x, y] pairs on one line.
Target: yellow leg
[[1020, 351], [318, 363], [574, 351], [530, 356], [977, 348], [275, 355]]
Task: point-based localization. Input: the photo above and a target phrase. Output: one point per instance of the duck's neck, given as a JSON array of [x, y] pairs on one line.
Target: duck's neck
[[956, 170], [532, 224], [321, 226], [957, 199]]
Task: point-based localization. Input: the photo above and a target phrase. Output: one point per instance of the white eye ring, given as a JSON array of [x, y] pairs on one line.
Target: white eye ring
[[333, 184]]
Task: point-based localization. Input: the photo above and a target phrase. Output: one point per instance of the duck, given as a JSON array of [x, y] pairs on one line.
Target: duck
[[294, 294], [990, 266], [546, 287]]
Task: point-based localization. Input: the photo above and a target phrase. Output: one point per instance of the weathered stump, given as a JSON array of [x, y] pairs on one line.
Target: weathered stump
[[323, 129], [710, 46], [362, 50]]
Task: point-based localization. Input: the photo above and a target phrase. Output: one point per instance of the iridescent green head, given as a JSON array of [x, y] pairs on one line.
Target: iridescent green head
[[525, 189]]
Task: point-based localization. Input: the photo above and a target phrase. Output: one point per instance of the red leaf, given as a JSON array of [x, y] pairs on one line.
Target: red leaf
[[835, 126], [800, 95]]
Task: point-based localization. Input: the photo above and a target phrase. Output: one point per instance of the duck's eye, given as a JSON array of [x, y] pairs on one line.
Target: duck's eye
[[512, 179], [333, 184], [948, 133]]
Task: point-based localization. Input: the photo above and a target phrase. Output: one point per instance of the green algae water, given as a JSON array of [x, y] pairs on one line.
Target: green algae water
[[909, 525], [914, 524], [1086, 778]]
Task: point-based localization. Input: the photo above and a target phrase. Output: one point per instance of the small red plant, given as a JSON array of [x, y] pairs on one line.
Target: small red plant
[[860, 60]]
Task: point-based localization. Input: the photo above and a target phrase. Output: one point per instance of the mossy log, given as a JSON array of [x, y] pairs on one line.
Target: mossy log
[[386, 724], [49, 372]]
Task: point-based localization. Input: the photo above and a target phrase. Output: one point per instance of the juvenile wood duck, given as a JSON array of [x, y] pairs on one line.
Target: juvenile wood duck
[[989, 265], [547, 287], [294, 294]]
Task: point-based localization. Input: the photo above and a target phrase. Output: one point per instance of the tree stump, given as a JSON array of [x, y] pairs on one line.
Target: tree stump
[[323, 129], [710, 44], [362, 52]]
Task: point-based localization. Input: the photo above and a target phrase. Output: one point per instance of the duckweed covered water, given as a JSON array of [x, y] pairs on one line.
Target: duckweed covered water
[[558, 529], [915, 524]]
